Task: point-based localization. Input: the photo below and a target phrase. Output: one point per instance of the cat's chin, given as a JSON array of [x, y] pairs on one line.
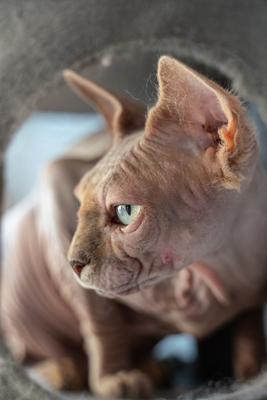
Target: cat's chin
[[128, 289]]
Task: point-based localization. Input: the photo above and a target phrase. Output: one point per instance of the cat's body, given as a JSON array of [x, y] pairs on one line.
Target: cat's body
[[189, 271]]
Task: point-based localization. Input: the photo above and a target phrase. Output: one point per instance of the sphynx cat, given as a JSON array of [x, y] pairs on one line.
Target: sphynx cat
[[171, 232]]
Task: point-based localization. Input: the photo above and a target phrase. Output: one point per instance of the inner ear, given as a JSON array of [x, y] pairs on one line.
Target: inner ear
[[190, 104], [122, 115]]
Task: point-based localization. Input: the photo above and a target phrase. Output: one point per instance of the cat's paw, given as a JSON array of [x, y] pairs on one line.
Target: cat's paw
[[132, 384], [61, 374]]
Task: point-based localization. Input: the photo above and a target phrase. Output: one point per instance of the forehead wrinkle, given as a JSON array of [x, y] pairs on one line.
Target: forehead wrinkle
[[105, 188], [97, 179], [113, 164]]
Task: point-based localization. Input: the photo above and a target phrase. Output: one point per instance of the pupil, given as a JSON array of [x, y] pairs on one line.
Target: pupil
[[128, 209]]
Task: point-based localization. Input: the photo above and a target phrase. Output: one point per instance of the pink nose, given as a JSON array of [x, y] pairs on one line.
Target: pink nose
[[77, 266]]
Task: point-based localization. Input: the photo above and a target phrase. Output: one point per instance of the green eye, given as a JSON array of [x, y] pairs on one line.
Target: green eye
[[127, 213]]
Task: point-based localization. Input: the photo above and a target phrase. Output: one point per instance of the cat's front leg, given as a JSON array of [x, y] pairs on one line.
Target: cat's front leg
[[249, 345], [112, 374]]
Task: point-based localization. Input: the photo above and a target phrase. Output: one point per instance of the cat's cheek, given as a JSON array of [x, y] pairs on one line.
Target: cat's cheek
[[168, 258]]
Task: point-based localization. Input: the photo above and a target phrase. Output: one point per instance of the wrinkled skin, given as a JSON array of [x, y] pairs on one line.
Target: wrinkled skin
[[194, 171], [194, 258]]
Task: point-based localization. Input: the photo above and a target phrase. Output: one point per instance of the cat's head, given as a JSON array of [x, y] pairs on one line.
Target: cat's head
[[167, 192]]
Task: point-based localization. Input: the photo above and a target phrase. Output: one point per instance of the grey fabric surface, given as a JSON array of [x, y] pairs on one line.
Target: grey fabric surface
[[14, 384], [40, 38]]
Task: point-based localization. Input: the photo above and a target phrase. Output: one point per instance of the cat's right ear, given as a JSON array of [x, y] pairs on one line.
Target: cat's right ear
[[122, 115], [197, 114]]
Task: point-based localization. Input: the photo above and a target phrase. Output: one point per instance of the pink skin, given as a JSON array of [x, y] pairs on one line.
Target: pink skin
[[179, 170], [151, 258]]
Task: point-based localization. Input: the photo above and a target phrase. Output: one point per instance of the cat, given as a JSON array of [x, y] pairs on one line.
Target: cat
[[170, 238]]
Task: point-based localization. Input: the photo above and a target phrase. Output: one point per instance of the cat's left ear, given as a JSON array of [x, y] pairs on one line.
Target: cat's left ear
[[197, 113], [122, 115]]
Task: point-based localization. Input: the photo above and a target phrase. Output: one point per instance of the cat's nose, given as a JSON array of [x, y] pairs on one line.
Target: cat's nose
[[77, 266]]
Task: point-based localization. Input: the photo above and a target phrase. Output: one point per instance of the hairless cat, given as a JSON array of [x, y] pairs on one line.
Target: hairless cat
[[170, 238]]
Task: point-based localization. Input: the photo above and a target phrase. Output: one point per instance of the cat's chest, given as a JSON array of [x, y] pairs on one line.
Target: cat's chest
[[193, 301]]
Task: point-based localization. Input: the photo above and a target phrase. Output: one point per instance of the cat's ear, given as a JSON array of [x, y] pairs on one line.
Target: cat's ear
[[122, 115], [194, 111]]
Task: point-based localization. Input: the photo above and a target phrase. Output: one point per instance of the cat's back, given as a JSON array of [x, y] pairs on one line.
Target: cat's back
[[33, 315], [31, 304]]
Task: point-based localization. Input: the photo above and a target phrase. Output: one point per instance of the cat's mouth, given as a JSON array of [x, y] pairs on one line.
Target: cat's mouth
[[102, 282], [128, 288]]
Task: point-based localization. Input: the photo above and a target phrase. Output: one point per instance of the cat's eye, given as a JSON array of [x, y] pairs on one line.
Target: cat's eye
[[127, 213]]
